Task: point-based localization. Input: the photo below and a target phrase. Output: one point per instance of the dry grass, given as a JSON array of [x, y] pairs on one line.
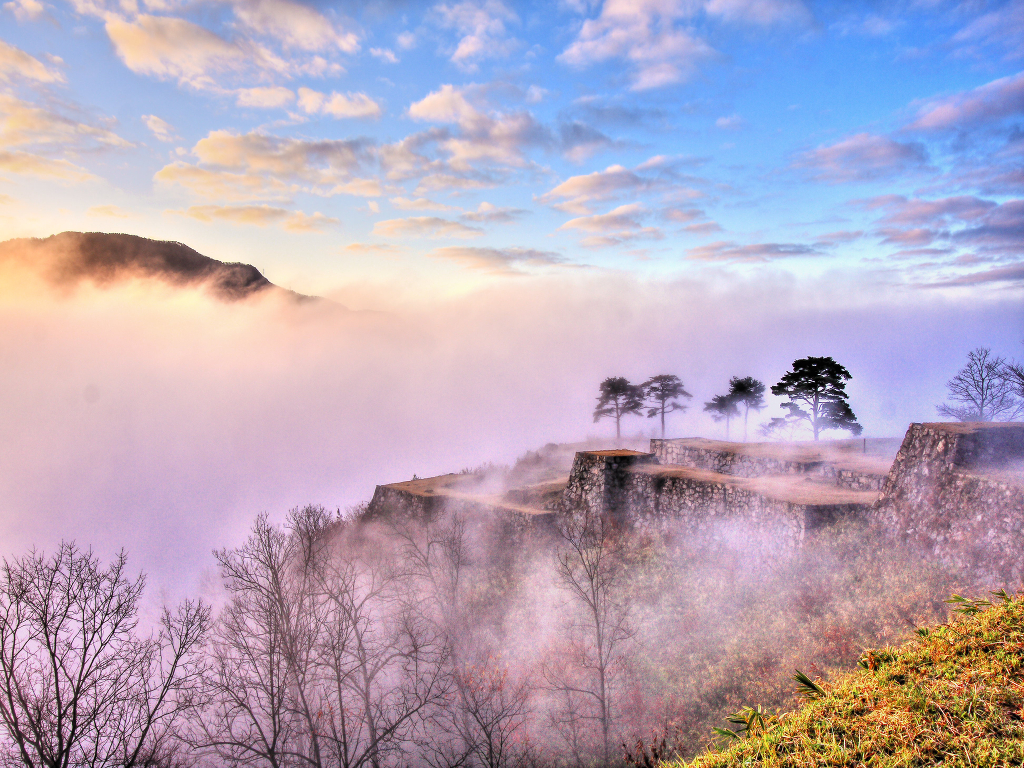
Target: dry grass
[[953, 696]]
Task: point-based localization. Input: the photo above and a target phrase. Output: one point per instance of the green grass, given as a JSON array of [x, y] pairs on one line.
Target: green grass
[[952, 696]]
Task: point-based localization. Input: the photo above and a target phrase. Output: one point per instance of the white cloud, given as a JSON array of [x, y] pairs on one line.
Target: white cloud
[[575, 194], [27, 125], [420, 204], [266, 97], [295, 25], [488, 212], [260, 216], [501, 261], [174, 49], [644, 34], [384, 54], [618, 226], [406, 41], [340, 105], [424, 226], [163, 130], [763, 12], [26, 10], [15, 63], [482, 26], [730, 123]]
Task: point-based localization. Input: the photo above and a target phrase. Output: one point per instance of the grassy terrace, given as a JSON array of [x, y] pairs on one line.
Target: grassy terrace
[[953, 696]]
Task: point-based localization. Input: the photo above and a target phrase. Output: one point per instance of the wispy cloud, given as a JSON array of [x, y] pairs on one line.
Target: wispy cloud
[[425, 226], [15, 64], [863, 157], [160, 128], [505, 261], [755, 252], [989, 103], [260, 216], [482, 26], [339, 105], [618, 226]]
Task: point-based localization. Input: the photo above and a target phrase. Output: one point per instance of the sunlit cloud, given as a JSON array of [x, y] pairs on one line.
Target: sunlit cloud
[[577, 193], [26, 10], [338, 105], [266, 97], [502, 261], [110, 211], [618, 226], [487, 212], [425, 226], [420, 204], [16, 64], [482, 26], [260, 216], [295, 25], [160, 128]]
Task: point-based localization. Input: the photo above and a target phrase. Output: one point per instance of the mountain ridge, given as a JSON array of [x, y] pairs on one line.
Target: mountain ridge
[[69, 258]]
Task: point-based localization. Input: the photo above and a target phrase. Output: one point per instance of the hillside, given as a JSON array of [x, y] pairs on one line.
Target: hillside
[[69, 258], [953, 696]]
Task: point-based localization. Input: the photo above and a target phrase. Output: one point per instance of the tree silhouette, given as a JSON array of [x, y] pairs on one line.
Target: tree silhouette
[[722, 407], [663, 393], [984, 388], [618, 397], [748, 392], [816, 388]]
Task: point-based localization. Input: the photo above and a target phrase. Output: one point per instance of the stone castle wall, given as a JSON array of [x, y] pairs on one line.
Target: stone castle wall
[[954, 493]]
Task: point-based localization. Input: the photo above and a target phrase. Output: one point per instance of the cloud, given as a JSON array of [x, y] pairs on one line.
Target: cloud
[[502, 261], [174, 49], [756, 252], [252, 166], [486, 212], [16, 64], [406, 41], [26, 10], [862, 157], [265, 97], [986, 104], [111, 211], [618, 226], [160, 128], [23, 124], [373, 248], [340, 105], [730, 123], [761, 12], [28, 164], [420, 204], [933, 212], [223, 185], [384, 54], [260, 216], [580, 141], [295, 25], [496, 139], [830, 239], [424, 226], [1001, 29], [575, 194], [1013, 273], [482, 26], [704, 228], [645, 35]]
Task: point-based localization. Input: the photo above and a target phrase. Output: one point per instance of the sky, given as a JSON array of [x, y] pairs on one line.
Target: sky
[[505, 204]]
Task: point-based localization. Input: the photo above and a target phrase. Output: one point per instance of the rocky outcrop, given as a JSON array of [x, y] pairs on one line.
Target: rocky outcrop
[[956, 492]]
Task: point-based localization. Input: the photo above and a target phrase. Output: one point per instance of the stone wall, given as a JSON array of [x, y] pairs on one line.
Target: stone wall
[[598, 480], [755, 460], [953, 493]]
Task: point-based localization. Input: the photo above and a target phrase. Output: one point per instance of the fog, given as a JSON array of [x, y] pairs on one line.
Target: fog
[[162, 419]]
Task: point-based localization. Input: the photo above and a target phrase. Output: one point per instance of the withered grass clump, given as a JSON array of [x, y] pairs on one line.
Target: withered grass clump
[[952, 696]]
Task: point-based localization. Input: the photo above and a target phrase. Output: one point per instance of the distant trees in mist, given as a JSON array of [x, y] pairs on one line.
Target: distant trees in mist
[[987, 388], [815, 389]]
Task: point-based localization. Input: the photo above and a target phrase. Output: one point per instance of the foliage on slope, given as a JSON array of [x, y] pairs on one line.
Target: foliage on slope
[[953, 696]]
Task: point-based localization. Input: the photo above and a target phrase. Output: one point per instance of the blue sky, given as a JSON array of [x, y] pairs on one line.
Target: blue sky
[[460, 143]]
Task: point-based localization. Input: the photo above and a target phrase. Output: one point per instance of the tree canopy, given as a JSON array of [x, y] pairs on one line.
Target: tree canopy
[[722, 407], [662, 393], [618, 397], [749, 393], [816, 390]]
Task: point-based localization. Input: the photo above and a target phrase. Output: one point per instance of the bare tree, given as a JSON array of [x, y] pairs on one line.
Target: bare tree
[[80, 686], [489, 701], [592, 569], [319, 660], [983, 390]]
